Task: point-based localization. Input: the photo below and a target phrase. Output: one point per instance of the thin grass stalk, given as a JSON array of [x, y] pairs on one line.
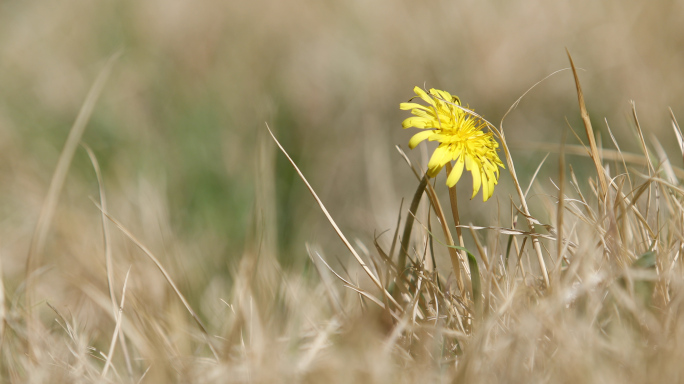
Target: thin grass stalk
[[167, 276], [513, 241], [535, 241], [590, 134], [559, 211], [483, 254], [678, 132], [332, 222], [617, 147], [108, 252], [329, 290], [511, 169], [579, 150], [47, 210], [644, 148], [119, 320]]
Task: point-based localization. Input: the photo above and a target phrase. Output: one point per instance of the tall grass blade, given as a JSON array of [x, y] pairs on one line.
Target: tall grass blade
[[167, 276], [119, 320], [47, 210], [346, 242], [590, 133]]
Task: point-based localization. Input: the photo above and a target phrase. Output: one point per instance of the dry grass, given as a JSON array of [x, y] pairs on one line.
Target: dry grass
[[176, 245], [609, 310]]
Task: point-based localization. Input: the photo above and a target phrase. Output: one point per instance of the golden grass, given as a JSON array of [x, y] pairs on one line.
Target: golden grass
[[575, 279], [607, 309]]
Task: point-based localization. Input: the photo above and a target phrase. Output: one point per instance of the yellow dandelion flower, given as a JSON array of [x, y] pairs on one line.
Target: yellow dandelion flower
[[461, 138]]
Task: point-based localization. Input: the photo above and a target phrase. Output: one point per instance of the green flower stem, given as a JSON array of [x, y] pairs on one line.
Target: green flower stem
[[406, 237]]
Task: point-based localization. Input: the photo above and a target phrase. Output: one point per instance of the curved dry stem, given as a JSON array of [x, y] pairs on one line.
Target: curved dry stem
[[166, 275], [47, 210], [119, 320], [108, 252], [346, 242]]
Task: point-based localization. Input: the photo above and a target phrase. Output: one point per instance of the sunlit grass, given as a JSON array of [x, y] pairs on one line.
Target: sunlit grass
[[591, 291], [169, 239]]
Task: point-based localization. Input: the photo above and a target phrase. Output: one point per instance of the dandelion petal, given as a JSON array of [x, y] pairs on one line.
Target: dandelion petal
[[419, 137], [456, 172], [475, 171]]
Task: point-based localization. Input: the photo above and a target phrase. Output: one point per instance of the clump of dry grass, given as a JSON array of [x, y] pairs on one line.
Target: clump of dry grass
[[590, 292]]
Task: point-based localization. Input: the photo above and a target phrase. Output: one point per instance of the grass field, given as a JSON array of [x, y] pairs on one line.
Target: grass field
[[152, 230]]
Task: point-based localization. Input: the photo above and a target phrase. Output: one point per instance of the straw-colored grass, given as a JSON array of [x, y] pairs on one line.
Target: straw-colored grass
[[154, 230], [602, 302]]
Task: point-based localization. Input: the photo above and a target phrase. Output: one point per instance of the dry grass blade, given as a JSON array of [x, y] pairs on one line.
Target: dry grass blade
[[346, 242], [644, 149], [318, 344], [511, 169], [478, 245], [67, 154], [144, 374], [654, 179], [119, 320], [514, 232], [47, 210], [590, 133], [105, 226], [332, 295], [108, 251], [560, 209], [642, 140], [608, 154], [664, 161], [368, 296], [631, 204], [678, 132], [352, 286], [622, 157], [534, 175], [166, 276]]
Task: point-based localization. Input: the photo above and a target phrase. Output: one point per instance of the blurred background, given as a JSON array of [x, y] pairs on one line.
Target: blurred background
[[180, 129]]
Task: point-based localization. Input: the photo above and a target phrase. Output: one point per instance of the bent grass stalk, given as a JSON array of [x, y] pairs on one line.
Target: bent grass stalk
[[47, 210], [168, 278], [346, 242], [108, 252], [119, 320]]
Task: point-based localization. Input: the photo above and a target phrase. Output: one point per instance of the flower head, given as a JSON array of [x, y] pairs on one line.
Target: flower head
[[461, 139]]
